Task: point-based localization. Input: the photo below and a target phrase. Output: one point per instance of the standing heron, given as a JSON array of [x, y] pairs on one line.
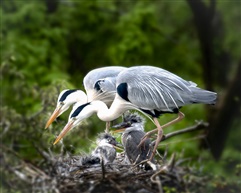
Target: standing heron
[[148, 89], [133, 132], [99, 85]]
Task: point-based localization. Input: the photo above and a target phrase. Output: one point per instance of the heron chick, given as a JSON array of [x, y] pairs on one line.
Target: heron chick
[[105, 149], [133, 131]]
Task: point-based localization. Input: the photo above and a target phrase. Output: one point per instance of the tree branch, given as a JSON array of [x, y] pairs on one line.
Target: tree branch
[[200, 125]]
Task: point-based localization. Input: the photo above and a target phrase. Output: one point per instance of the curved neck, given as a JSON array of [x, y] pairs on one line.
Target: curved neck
[[117, 108]]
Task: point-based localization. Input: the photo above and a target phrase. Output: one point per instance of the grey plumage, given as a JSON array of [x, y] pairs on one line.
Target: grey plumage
[[148, 89], [100, 83], [88, 160], [133, 124], [105, 150], [152, 88]]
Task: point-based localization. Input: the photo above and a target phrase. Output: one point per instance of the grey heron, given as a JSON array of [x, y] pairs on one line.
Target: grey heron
[[99, 85], [148, 89], [133, 132], [106, 148], [104, 151], [67, 98]]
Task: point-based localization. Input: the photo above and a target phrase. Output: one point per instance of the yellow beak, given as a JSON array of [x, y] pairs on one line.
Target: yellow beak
[[65, 130], [54, 115], [119, 130]]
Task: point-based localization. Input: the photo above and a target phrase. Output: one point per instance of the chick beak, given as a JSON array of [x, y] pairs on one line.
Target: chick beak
[[118, 146], [54, 115], [65, 130], [120, 127], [119, 130], [123, 124]]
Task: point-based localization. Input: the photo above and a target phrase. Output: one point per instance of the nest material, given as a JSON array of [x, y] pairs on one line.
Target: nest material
[[66, 174]]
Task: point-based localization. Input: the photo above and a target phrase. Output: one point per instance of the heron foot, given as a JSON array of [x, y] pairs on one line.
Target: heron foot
[[158, 139], [147, 135]]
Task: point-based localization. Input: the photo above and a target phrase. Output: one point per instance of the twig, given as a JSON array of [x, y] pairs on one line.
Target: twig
[[186, 140], [198, 126], [156, 179], [116, 185], [172, 162]]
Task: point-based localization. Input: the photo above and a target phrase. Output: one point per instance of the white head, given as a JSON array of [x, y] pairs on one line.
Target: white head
[[79, 113], [65, 100], [83, 111]]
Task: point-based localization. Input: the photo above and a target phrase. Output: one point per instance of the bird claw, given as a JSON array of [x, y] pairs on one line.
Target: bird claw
[[147, 135], [142, 141]]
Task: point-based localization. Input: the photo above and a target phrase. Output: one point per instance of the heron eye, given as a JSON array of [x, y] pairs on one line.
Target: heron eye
[[61, 103]]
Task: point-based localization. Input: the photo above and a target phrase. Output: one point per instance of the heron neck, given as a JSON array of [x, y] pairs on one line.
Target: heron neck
[[108, 114]]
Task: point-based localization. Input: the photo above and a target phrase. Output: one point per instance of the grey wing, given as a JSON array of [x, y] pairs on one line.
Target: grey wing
[[99, 73], [107, 90], [155, 88], [105, 152], [132, 151], [108, 85]]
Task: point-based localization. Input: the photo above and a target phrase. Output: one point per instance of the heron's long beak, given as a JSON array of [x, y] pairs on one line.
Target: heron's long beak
[[54, 115], [65, 130]]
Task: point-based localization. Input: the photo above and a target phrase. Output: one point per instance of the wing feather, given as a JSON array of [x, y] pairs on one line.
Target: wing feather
[[155, 88]]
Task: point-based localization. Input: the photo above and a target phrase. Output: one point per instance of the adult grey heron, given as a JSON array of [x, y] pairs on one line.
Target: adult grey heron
[[99, 85], [67, 98], [149, 89], [133, 132]]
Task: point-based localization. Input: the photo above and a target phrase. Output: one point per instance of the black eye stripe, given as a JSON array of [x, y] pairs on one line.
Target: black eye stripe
[[67, 93], [97, 85], [78, 110]]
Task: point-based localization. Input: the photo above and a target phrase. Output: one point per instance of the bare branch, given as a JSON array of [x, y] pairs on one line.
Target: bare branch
[[200, 125]]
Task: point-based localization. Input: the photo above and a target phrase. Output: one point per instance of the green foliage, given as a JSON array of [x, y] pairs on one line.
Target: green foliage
[[169, 190], [45, 52]]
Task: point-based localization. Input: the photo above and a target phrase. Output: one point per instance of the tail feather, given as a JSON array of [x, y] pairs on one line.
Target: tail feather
[[204, 96]]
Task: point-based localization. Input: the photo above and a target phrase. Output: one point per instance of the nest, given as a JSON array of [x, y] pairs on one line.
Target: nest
[[65, 174]]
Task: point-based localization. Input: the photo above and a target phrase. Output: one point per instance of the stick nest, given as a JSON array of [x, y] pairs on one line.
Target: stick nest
[[65, 174]]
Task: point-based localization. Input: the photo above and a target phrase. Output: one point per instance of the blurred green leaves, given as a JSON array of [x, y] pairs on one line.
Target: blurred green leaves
[[45, 52]]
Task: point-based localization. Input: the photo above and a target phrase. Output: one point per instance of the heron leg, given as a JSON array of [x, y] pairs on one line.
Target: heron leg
[[159, 137], [148, 134], [107, 127]]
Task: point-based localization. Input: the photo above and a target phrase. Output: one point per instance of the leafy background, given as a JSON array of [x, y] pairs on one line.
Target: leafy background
[[48, 46]]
